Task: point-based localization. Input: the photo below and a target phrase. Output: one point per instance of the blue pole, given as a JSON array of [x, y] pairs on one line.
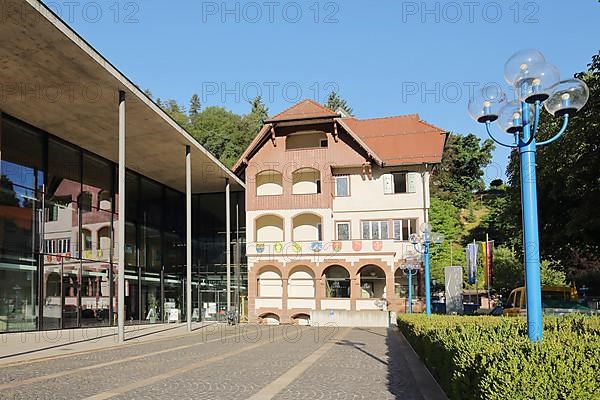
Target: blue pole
[[427, 279], [531, 242], [410, 291]]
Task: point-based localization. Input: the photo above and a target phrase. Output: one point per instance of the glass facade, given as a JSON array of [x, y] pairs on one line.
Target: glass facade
[[58, 231]]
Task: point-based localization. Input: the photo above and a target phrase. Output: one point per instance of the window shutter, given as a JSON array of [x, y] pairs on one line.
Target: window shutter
[[412, 180], [388, 184]]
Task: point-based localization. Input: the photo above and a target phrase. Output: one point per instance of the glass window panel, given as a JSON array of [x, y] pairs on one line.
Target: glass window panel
[[398, 229], [64, 172], [18, 296], [375, 230], [341, 188], [343, 231], [22, 155], [384, 230], [365, 230]]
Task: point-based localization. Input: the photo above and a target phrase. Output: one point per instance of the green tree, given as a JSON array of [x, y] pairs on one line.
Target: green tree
[[444, 218], [551, 275], [195, 105], [508, 272], [255, 120], [335, 102], [221, 132], [461, 171], [176, 112]]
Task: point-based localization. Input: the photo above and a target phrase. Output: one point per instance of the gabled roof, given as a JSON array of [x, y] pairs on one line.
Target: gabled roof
[[306, 109], [400, 140]]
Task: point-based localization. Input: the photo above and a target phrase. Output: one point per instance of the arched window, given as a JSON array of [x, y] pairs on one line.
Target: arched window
[[104, 241], [269, 183], [372, 282], [105, 200], [301, 283], [337, 281], [86, 240], [269, 228], [85, 201], [307, 227], [270, 283], [306, 181]]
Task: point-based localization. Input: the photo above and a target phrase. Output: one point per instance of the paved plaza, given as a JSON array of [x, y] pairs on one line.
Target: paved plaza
[[218, 362]]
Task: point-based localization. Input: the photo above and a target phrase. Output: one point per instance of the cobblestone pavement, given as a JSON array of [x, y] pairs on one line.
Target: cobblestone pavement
[[255, 362]]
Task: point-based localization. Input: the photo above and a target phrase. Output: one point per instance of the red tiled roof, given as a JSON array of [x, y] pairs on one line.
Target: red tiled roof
[[400, 140], [306, 109]]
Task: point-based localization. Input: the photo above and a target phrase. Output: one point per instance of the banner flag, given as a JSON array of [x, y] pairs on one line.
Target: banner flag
[[484, 262], [490, 262], [472, 262]]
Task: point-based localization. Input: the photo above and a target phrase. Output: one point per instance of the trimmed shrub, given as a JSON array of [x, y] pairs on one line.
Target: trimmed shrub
[[491, 358]]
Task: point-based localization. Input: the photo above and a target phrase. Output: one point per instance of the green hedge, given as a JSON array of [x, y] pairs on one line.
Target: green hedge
[[491, 358]]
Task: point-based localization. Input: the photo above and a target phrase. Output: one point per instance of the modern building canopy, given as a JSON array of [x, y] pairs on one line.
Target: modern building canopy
[[56, 81]]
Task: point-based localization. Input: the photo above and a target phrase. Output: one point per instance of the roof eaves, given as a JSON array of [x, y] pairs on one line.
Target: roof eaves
[[360, 141]]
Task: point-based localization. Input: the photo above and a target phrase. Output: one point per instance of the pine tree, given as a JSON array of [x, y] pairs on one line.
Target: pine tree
[[259, 113], [335, 102], [195, 105]]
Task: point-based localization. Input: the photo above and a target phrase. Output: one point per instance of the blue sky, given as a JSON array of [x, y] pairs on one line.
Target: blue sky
[[386, 57]]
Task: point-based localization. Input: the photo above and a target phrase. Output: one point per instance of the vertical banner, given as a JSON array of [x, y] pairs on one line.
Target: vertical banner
[[472, 262], [484, 263], [490, 262]]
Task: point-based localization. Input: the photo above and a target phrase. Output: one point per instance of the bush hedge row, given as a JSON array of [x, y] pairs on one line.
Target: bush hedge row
[[491, 358]]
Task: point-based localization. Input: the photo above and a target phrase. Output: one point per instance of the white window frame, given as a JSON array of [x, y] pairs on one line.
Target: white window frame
[[403, 221], [337, 237], [380, 223]]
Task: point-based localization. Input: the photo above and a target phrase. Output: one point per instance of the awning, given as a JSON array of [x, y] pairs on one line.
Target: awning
[[53, 79]]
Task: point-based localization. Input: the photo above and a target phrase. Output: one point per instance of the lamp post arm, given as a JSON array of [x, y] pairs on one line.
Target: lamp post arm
[[559, 134], [416, 249], [487, 127]]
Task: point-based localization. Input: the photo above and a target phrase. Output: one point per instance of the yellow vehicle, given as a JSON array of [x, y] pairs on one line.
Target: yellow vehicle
[[556, 300]]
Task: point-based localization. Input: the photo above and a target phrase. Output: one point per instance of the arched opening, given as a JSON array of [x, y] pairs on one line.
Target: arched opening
[[269, 319], [306, 181], [269, 183], [53, 285], [105, 200], [269, 228], [372, 282], [337, 281], [104, 240], [270, 283], [301, 283], [301, 319], [307, 228], [86, 240], [401, 283]]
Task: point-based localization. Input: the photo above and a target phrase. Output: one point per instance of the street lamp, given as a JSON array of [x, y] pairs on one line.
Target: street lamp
[[535, 83], [410, 269], [422, 244]]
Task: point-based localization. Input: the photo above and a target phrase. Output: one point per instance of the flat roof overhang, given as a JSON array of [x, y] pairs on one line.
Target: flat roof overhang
[[53, 79]]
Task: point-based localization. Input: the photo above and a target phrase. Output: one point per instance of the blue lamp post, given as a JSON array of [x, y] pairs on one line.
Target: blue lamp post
[[422, 244], [535, 83], [410, 269]]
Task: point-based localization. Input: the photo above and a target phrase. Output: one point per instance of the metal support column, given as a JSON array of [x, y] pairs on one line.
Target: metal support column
[[121, 224], [427, 279], [188, 246], [530, 229], [228, 240]]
